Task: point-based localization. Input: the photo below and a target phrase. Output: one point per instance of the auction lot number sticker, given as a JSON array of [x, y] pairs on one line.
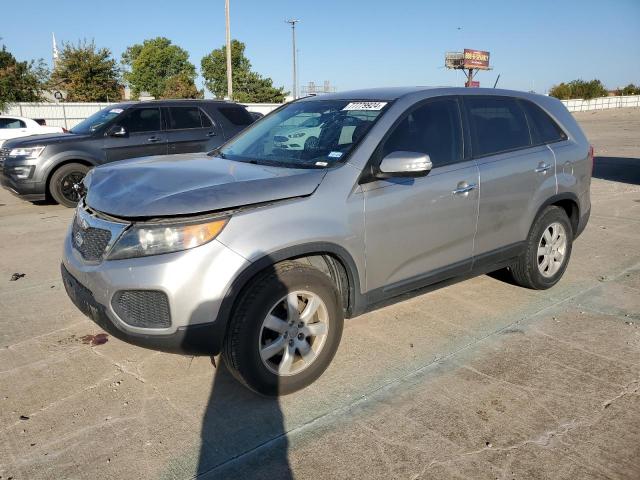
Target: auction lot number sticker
[[365, 106]]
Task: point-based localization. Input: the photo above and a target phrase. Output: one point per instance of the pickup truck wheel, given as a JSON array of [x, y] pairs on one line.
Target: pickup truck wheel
[[285, 329], [547, 251], [64, 183]]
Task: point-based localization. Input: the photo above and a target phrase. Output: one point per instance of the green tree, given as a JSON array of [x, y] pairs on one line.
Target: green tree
[[630, 89], [181, 86], [87, 73], [20, 81], [248, 86], [579, 89], [149, 65]]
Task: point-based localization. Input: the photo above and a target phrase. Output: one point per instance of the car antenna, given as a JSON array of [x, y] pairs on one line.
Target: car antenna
[[494, 85]]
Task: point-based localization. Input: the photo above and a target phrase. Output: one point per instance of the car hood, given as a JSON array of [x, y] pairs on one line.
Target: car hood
[[34, 140], [169, 185]]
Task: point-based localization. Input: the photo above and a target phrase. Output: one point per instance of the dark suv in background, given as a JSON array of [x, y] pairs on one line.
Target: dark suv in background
[[53, 166]]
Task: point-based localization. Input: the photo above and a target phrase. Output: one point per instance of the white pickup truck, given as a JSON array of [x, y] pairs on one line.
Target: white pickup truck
[[14, 127]]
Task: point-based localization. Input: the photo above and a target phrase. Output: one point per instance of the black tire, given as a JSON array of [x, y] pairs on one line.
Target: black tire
[[61, 183], [525, 271], [241, 348], [311, 143]]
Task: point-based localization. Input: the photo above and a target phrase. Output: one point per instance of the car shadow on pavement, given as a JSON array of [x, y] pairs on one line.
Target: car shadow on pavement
[[243, 433], [617, 169]]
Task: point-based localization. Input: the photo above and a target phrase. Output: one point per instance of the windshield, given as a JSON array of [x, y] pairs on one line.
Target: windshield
[[307, 134], [95, 121]]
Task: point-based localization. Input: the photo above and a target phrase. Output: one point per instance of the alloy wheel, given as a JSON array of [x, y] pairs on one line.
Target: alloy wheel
[[293, 333], [552, 249]]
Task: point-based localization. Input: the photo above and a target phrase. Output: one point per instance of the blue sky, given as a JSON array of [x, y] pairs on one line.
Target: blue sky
[[359, 43]]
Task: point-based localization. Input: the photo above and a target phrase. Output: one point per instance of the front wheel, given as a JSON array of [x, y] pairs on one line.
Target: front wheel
[[65, 184], [285, 329], [547, 251]]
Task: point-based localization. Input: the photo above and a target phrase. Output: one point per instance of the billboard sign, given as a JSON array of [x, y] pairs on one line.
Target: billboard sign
[[476, 59]]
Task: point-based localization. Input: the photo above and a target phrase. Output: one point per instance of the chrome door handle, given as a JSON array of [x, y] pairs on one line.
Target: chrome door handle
[[464, 189], [542, 168], [153, 139]]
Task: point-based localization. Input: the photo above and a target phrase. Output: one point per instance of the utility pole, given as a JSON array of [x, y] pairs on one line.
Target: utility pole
[[229, 77], [295, 72]]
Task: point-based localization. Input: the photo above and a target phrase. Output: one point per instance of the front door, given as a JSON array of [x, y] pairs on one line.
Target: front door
[[143, 136], [417, 229]]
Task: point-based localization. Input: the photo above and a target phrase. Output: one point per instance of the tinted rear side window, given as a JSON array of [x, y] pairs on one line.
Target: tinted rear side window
[[498, 124], [543, 128], [433, 128], [142, 120], [236, 115], [184, 117], [206, 121]]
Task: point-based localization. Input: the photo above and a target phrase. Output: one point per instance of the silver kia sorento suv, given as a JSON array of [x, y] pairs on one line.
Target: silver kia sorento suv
[[260, 248]]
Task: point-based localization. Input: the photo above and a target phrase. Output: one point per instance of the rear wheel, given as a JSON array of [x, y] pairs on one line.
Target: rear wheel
[[547, 251], [65, 184], [285, 330]]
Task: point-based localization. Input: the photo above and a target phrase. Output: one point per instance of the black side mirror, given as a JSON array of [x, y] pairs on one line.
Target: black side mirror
[[117, 131]]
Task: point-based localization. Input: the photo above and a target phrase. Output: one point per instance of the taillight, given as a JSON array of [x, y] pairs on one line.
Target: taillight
[[591, 157]]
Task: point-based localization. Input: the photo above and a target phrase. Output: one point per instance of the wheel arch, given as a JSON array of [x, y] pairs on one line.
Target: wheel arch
[[569, 203], [338, 264]]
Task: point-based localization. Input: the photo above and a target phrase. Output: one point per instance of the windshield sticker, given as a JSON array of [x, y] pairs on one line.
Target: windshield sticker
[[322, 164], [116, 110], [334, 154], [365, 106]]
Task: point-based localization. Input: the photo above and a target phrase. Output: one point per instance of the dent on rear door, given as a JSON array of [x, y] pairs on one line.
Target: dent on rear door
[[512, 188]]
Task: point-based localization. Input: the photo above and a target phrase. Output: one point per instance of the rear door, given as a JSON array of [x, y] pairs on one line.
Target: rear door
[[419, 228], [516, 174], [144, 135], [190, 130]]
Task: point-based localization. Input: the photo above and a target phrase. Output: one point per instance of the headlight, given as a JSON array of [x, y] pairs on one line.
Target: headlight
[[29, 152], [153, 239], [297, 135]]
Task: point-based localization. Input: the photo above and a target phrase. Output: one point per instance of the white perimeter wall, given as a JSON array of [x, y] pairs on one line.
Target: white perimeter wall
[[69, 114]]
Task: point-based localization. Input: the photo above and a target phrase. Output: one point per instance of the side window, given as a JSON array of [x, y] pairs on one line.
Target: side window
[[184, 117], [205, 120], [498, 124], [12, 123], [236, 115], [142, 120], [434, 129], [543, 128]]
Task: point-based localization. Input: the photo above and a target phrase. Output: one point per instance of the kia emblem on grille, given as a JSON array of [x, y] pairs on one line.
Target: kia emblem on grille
[[77, 238], [84, 224]]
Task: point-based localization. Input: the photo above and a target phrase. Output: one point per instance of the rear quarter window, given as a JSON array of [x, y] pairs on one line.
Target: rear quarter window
[[236, 115], [543, 128]]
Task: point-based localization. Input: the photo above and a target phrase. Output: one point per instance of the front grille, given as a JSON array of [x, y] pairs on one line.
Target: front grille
[[4, 154], [80, 295], [142, 308], [91, 242]]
